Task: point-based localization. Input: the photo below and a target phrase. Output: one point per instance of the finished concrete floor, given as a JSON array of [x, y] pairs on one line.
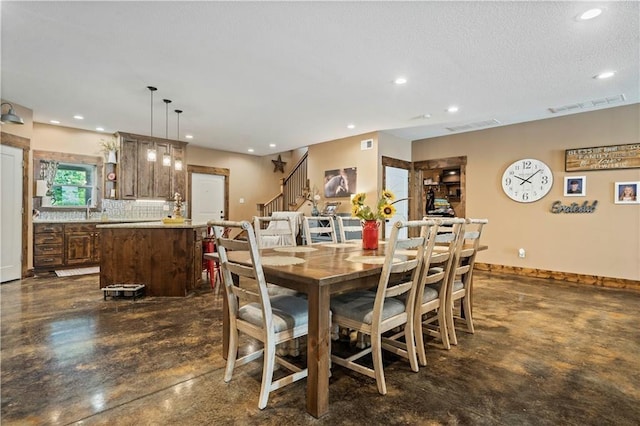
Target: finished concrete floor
[[544, 353]]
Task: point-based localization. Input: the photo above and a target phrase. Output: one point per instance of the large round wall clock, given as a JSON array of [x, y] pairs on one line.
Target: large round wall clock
[[527, 180]]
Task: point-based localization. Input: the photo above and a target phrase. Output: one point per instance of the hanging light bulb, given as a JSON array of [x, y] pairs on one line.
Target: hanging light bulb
[[151, 153], [166, 157], [177, 164]]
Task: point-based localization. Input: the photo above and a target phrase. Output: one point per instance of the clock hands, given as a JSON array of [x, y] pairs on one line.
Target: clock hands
[[527, 179]]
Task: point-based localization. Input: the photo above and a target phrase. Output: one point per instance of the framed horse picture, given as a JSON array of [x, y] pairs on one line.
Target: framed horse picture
[[340, 183]]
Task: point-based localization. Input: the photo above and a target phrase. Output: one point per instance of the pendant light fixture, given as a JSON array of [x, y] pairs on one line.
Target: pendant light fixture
[[151, 153], [10, 116], [166, 157], [178, 162], [178, 112]]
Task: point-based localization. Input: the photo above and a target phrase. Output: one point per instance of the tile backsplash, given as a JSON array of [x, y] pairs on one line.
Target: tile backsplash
[[118, 209]]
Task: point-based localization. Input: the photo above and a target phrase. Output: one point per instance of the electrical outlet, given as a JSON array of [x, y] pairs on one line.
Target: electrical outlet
[[521, 253]]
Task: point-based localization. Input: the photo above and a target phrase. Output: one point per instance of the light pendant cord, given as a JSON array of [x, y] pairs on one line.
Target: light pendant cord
[[166, 131], [151, 89]]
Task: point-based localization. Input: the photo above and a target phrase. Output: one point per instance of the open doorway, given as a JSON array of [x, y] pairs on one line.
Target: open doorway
[[441, 187]]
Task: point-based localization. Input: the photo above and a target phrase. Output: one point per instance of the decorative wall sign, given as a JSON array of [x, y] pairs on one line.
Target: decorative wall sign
[[627, 193], [602, 158], [278, 164], [558, 207]]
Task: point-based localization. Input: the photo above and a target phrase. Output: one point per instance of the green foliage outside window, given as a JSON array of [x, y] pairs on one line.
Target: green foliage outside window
[[72, 186]]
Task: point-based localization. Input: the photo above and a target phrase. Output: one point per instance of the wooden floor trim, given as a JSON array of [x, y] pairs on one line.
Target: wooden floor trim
[[593, 280]]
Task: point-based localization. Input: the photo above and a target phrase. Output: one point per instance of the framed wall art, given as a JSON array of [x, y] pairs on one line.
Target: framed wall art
[[610, 157], [626, 193], [575, 186], [340, 183]]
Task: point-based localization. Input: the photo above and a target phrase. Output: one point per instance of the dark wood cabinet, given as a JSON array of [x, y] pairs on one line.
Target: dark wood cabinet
[[166, 259], [60, 245], [81, 244], [141, 178], [128, 167], [48, 242]]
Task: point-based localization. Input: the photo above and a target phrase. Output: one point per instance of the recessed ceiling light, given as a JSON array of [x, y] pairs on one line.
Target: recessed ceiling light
[[250, 150], [400, 80], [100, 129], [425, 116], [272, 145], [590, 14], [351, 126], [54, 122], [452, 108], [188, 136], [605, 74], [78, 117]]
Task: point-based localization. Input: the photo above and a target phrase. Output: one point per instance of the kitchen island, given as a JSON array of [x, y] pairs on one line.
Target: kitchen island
[[166, 258]]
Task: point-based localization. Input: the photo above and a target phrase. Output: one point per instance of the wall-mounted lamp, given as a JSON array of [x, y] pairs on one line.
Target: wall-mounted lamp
[[178, 165], [151, 155], [166, 159], [10, 116]]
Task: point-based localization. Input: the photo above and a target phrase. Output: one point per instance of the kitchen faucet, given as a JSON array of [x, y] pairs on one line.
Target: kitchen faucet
[[88, 213]]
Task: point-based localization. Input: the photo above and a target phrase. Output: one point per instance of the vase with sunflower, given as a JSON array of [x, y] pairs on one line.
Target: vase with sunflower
[[370, 218]]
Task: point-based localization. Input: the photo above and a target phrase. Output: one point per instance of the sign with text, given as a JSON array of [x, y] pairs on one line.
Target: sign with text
[[602, 158]]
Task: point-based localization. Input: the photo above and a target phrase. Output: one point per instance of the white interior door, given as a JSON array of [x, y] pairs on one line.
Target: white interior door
[[11, 214], [207, 197], [397, 181]]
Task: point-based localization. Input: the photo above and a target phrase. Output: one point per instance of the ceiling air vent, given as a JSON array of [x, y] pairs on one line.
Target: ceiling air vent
[[589, 104], [473, 126]]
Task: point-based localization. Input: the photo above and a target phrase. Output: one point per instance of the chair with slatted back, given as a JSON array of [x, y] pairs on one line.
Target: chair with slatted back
[[319, 227], [378, 313], [273, 231], [349, 228], [462, 277], [269, 319], [430, 312]]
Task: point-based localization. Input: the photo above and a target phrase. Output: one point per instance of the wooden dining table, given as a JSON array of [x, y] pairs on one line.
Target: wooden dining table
[[320, 271]]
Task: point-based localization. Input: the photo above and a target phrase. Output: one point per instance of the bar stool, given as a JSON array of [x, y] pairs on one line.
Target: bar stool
[[210, 261]]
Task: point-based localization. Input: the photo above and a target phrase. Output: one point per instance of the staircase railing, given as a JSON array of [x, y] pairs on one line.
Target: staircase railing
[[292, 187]]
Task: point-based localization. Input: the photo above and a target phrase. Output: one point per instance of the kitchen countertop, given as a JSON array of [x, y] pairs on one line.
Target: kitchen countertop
[[92, 220], [156, 224]]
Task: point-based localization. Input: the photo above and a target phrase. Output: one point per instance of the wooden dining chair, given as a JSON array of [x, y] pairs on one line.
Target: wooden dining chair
[[430, 311], [320, 227], [271, 320], [274, 231], [349, 228], [375, 313], [462, 277]]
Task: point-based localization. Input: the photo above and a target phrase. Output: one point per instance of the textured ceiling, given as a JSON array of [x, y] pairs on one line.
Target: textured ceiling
[[247, 74]]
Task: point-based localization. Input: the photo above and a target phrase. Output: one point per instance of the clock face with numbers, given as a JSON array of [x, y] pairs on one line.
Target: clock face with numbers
[[527, 180]]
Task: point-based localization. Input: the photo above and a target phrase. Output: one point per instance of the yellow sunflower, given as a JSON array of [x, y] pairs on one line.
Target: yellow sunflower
[[387, 211]]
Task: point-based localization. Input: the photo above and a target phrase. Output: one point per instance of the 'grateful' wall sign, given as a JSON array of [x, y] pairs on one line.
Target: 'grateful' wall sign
[[585, 207], [602, 158]]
